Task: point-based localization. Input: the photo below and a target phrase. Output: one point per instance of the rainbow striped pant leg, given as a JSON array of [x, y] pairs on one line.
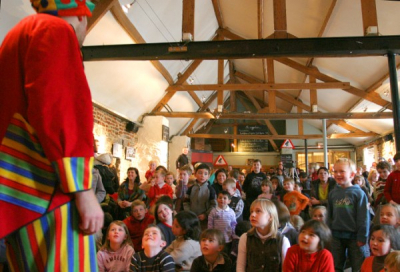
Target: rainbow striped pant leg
[[52, 243]]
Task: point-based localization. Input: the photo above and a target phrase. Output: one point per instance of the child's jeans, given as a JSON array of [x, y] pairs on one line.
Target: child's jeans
[[356, 254]]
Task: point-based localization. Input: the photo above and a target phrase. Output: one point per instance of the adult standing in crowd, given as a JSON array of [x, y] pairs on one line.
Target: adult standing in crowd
[[183, 159], [48, 101], [321, 187], [252, 187]]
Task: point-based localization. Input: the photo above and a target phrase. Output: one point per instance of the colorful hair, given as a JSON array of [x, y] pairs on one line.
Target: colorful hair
[[321, 230], [269, 207], [190, 224], [106, 245]]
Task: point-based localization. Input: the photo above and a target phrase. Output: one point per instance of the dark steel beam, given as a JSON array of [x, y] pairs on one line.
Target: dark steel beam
[[394, 86], [244, 49]]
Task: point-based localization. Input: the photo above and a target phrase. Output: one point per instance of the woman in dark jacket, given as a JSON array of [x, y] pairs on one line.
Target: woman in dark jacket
[[321, 187]]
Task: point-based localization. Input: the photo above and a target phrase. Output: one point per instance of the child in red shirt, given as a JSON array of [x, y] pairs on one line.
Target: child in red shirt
[[159, 187], [392, 187], [152, 169], [310, 254], [137, 223]]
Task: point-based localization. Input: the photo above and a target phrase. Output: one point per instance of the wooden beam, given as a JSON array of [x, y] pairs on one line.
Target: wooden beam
[[369, 16], [271, 79], [188, 11], [258, 86], [235, 140], [193, 66], [260, 18], [372, 97], [102, 7], [281, 95], [229, 34], [278, 116], [190, 126], [351, 135], [131, 30], [300, 124], [195, 98], [265, 137], [280, 24], [218, 14]]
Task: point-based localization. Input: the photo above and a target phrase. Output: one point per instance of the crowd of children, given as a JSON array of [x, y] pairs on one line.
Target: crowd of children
[[258, 222]]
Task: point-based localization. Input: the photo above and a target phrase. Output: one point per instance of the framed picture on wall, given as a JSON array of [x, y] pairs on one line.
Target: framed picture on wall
[[249, 162], [130, 153]]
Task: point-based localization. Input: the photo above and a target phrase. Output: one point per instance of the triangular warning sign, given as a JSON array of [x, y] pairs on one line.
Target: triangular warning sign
[[287, 144], [220, 161]]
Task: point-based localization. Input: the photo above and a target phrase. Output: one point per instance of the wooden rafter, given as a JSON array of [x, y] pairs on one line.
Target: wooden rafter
[[370, 18], [188, 11], [193, 122], [277, 116], [281, 95], [372, 97], [257, 87], [102, 7], [264, 137], [280, 21], [180, 81], [131, 30], [280, 137], [218, 14]]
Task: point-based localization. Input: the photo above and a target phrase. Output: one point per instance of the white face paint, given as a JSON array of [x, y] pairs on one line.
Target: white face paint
[[81, 29]]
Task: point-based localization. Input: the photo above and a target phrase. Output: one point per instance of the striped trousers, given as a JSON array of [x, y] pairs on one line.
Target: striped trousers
[[52, 243]]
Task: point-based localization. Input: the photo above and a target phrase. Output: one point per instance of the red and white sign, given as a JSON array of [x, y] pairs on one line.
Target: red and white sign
[[220, 161], [287, 144]]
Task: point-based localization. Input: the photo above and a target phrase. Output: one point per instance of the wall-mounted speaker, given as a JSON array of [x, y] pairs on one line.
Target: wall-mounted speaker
[[131, 127]]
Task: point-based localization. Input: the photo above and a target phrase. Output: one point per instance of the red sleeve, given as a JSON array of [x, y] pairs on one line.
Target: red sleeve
[[152, 192], [59, 102], [387, 191], [169, 191], [326, 261], [291, 260]]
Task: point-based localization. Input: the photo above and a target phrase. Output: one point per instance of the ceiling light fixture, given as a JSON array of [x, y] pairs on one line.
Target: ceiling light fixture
[[126, 7], [386, 92]]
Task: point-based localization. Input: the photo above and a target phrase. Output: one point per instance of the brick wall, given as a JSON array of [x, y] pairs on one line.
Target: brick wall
[[109, 128]]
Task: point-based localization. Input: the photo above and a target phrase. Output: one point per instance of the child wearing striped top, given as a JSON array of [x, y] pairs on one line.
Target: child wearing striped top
[[223, 218], [152, 258]]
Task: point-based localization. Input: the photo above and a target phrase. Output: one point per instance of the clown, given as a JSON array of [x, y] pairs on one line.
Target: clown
[[47, 208]]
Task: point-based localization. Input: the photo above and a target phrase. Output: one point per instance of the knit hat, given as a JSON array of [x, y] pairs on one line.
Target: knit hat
[[105, 158], [64, 7]]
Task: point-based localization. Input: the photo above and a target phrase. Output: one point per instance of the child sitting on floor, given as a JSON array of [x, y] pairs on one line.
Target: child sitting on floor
[[153, 257]]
